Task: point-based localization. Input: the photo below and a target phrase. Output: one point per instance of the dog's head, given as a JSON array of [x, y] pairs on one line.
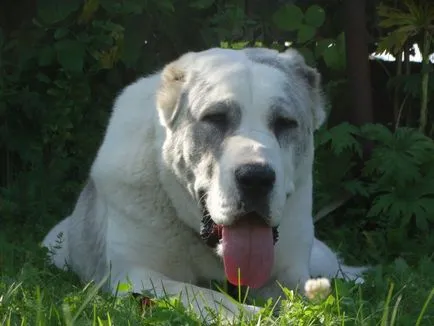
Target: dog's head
[[239, 137]]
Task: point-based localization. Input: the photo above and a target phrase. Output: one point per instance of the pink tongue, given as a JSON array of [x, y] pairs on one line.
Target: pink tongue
[[249, 249]]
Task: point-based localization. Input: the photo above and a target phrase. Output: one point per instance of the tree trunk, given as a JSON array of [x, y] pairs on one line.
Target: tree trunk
[[425, 80], [360, 110]]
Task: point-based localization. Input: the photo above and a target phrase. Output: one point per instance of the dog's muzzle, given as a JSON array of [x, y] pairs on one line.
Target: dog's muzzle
[[247, 247], [211, 233], [255, 183]]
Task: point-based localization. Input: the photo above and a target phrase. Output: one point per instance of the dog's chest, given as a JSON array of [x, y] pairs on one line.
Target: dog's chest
[[191, 260], [169, 247]]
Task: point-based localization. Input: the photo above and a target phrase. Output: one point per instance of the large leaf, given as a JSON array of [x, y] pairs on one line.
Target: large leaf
[[60, 33], [46, 56], [201, 4], [165, 5], [331, 56], [392, 17], [305, 33], [133, 42], [54, 11], [416, 15], [393, 42], [343, 138], [288, 18], [334, 55], [377, 132], [321, 46], [127, 7], [70, 54], [90, 7], [315, 16], [308, 55]]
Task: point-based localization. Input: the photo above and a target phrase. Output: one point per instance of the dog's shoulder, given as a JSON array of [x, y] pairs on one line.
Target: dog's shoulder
[[131, 136]]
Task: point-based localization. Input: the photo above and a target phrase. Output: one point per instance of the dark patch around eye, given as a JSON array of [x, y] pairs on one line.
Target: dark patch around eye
[[208, 130], [282, 124], [181, 163], [280, 119], [209, 170], [189, 175], [218, 119], [222, 115]]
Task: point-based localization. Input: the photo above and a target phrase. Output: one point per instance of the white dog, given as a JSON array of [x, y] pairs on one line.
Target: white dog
[[205, 173]]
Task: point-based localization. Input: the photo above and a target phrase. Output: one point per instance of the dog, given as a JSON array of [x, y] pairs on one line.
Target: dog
[[205, 173]]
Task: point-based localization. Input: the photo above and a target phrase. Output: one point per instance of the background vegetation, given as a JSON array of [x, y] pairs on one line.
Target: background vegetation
[[63, 62]]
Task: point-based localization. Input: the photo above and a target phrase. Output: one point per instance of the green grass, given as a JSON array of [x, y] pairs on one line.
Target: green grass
[[34, 293]]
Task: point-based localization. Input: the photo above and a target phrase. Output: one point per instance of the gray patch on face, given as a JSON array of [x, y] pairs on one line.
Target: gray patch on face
[[287, 123], [291, 135], [303, 81], [209, 171], [180, 115], [189, 176], [196, 132], [181, 164], [297, 103], [207, 135]]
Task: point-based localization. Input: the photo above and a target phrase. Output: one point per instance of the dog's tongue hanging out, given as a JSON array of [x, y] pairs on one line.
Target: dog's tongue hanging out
[[249, 248]]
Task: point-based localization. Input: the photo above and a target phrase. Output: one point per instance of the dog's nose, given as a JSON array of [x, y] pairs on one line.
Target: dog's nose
[[255, 179]]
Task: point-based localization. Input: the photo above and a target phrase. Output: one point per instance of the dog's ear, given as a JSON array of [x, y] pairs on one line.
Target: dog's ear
[[168, 94], [295, 60], [173, 78]]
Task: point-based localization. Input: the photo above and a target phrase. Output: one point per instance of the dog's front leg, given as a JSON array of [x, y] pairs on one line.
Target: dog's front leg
[[201, 300]]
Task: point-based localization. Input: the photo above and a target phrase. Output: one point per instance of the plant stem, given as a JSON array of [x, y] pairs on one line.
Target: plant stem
[[425, 80], [396, 104]]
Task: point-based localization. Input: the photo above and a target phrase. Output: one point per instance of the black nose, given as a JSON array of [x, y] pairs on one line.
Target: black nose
[[255, 178]]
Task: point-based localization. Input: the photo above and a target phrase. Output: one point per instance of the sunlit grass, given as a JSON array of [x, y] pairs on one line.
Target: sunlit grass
[[38, 294]]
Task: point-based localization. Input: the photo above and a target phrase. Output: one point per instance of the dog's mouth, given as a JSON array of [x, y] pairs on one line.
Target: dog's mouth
[[211, 233], [247, 247]]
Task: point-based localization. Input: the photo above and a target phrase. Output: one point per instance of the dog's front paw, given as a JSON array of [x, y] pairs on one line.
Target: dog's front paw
[[244, 311], [233, 313], [250, 310], [317, 288]]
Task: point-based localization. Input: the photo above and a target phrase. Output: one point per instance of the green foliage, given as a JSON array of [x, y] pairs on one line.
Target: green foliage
[[288, 18], [41, 295], [303, 29], [59, 73], [412, 19], [62, 66], [410, 84], [315, 16], [391, 187], [403, 161]]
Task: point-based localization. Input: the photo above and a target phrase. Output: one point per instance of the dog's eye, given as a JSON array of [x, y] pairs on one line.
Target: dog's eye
[[282, 124], [217, 119]]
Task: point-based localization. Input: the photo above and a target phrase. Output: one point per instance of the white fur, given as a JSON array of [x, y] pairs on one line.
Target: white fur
[[145, 221]]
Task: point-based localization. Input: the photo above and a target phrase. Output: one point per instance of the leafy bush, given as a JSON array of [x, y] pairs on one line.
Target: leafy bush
[[61, 67], [60, 71], [392, 198], [63, 64]]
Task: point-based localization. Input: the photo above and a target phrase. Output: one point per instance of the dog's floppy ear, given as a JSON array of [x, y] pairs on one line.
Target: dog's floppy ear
[[312, 79], [173, 78]]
